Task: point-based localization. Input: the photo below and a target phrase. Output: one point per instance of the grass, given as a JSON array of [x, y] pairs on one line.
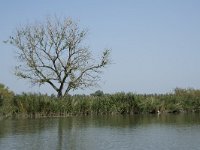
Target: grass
[[38, 105]]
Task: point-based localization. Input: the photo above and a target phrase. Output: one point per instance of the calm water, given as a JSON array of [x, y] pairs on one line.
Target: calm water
[[151, 132]]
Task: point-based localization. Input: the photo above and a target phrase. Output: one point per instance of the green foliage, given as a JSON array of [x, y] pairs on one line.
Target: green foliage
[[38, 105], [6, 101], [97, 93]]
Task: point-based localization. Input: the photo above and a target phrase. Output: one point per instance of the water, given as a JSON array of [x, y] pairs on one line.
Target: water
[[150, 132]]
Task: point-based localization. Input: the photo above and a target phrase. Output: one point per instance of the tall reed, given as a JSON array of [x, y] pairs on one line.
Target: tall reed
[[39, 105]]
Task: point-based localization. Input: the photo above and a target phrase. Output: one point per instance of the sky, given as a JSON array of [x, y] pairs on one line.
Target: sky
[[155, 43]]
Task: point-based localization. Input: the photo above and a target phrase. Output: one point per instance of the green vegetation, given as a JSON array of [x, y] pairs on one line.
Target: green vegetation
[[6, 101], [38, 105]]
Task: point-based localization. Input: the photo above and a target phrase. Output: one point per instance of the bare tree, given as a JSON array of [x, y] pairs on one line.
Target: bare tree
[[52, 53]]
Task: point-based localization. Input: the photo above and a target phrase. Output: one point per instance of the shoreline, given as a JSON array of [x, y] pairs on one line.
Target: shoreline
[[40, 116], [38, 105]]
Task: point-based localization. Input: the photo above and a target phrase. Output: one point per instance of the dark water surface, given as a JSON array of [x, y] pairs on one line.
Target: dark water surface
[[139, 132]]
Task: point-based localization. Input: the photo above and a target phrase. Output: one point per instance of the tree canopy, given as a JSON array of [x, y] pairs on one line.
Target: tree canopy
[[53, 52]]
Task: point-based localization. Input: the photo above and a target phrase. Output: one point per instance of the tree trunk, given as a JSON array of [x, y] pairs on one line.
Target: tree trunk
[[59, 95]]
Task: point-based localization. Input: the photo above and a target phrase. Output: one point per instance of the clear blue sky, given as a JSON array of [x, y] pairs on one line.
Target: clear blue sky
[[155, 43]]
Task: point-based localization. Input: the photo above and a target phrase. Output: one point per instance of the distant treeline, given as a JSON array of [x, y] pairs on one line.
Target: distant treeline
[[98, 103]]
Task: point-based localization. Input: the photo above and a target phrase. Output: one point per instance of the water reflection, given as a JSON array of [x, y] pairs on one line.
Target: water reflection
[[103, 132]]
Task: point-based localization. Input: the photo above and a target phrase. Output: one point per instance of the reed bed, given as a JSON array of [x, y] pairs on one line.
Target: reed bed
[[39, 105]]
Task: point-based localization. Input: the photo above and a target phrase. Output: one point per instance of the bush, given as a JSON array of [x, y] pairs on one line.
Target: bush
[[6, 101]]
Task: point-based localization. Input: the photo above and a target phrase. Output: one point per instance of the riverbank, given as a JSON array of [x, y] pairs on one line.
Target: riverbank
[[37, 105]]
